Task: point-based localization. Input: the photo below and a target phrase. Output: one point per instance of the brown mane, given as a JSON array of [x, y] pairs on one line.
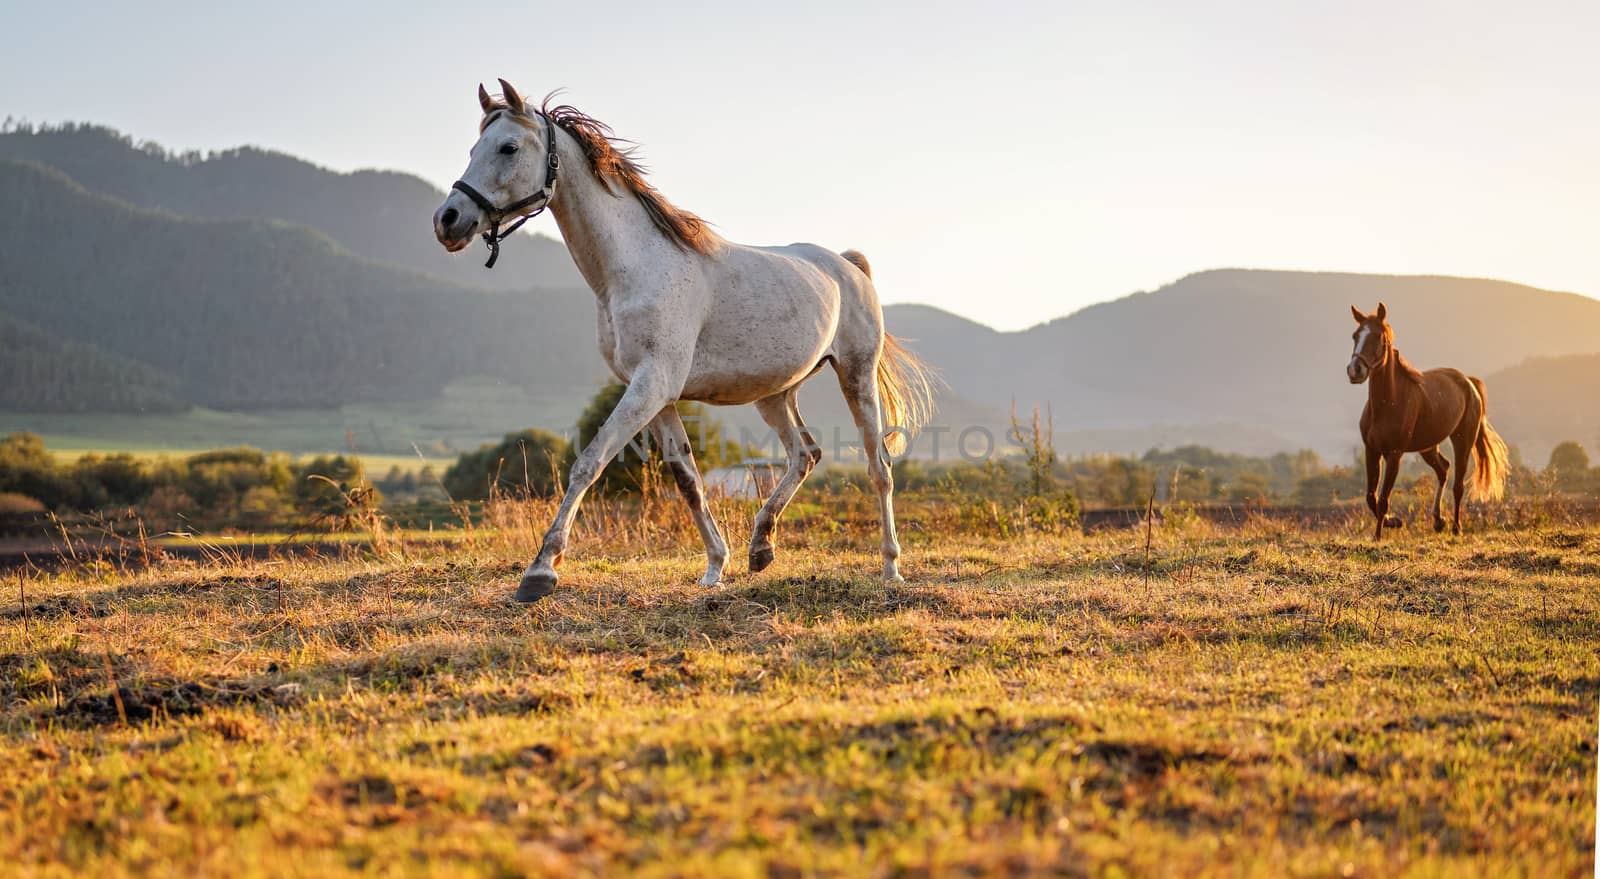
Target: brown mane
[[1406, 369], [614, 164]]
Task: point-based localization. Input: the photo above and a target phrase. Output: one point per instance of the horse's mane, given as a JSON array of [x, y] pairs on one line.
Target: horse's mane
[[617, 164], [1404, 365]]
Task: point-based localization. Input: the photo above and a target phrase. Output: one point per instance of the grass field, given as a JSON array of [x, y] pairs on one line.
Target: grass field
[[377, 466], [1259, 702]]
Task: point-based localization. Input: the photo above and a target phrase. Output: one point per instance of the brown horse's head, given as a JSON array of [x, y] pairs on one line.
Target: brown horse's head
[[1374, 343]]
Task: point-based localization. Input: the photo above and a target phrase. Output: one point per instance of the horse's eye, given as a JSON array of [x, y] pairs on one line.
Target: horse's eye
[[508, 149]]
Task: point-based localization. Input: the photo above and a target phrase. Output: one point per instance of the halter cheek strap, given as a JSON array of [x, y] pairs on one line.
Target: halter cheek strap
[[1363, 359], [537, 202]]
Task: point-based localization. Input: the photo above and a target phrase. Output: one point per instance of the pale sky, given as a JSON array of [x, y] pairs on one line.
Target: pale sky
[[1010, 164]]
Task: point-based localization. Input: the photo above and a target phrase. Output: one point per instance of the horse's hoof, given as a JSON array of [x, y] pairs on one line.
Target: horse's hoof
[[761, 559], [534, 587], [1438, 525]]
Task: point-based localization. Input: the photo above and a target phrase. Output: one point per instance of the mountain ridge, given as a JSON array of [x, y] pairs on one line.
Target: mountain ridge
[[379, 214], [256, 312]]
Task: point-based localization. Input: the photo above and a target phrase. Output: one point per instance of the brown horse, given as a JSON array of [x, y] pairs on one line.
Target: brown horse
[[1409, 410]]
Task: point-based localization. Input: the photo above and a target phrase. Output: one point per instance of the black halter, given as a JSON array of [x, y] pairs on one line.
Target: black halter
[[538, 201]]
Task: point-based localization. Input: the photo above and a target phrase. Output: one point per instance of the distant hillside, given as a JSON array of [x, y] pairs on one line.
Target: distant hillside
[[254, 314], [1262, 348], [382, 215], [1546, 400], [46, 374]]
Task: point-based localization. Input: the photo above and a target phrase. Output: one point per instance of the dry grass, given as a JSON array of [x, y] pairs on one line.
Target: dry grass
[[1261, 702]]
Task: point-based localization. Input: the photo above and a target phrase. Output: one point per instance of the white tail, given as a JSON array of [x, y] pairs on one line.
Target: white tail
[[905, 385], [905, 382]]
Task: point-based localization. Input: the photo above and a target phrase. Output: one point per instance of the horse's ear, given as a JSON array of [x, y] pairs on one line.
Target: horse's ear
[[513, 100], [1360, 318], [1383, 311], [484, 101]]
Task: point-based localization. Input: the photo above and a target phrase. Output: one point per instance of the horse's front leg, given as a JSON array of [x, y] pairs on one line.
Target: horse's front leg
[[1391, 470], [1373, 461], [648, 392]]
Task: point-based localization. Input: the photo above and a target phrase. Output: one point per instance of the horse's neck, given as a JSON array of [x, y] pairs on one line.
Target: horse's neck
[[1384, 385], [608, 233]]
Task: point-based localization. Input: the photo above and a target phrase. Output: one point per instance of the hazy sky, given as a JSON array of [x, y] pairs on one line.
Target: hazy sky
[[1010, 164]]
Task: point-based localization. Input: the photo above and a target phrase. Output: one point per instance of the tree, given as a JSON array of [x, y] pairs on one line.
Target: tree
[[1038, 442], [524, 464], [626, 471], [26, 467], [113, 479], [1249, 488], [217, 481], [1569, 464]]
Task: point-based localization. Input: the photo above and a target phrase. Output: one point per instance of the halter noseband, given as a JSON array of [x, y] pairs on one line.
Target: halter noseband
[[538, 201]]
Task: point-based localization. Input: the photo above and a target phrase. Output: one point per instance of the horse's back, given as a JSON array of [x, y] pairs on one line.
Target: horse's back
[[860, 324], [1451, 389], [844, 272], [1451, 404], [772, 317]]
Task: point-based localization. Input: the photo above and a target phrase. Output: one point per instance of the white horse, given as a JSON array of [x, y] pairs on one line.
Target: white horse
[[686, 315]]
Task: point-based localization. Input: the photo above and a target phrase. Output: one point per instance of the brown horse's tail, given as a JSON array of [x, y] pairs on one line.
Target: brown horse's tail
[[1489, 482], [905, 382]]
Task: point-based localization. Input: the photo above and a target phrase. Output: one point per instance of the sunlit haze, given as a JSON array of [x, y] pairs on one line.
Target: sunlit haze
[[1010, 165]]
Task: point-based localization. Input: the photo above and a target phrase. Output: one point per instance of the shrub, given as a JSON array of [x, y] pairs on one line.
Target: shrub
[[324, 488], [523, 464]]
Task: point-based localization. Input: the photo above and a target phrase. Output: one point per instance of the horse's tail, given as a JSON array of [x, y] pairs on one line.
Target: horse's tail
[[1489, 482], [905, 382], [859, 260]]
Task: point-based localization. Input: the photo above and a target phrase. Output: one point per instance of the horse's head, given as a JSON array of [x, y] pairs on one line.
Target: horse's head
[[1374, 340], [511, 171]]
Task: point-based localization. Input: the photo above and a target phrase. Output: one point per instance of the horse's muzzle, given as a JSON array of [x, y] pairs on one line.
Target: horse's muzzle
[[454, 226], [1357, 371]]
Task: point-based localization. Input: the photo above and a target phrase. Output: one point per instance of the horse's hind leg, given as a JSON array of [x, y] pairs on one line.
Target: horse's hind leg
[[1441, 469], [667, 428], [1463, 450], [782, 415], [858, 378]]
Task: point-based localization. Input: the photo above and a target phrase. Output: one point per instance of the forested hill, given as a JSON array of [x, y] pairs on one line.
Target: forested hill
[[1546, 400], [43, 373], [383, 215], [255, 314]]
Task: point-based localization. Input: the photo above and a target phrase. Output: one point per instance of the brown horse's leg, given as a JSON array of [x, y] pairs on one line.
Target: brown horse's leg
[[1441, 469], [1463, 449], [1391, 471], [1373, 460]]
